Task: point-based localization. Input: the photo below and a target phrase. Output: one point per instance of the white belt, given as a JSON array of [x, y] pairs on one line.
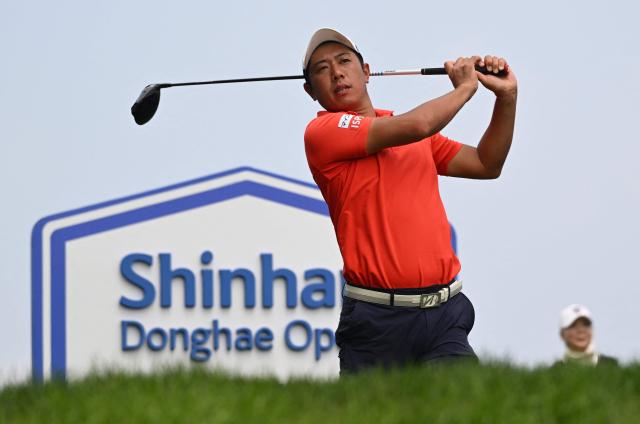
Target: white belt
[[427, 300]]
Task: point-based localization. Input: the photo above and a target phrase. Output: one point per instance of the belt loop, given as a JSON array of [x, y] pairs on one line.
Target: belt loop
[[448, 292], [391, 298]]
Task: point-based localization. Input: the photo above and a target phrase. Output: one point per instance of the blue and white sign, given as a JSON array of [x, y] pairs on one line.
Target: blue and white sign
[[238, 270]]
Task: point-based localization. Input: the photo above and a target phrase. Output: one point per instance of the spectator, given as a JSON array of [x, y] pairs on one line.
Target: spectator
[[577, 333]]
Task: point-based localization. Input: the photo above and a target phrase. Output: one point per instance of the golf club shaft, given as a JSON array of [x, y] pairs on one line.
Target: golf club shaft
[[228, 81], [423, 71]]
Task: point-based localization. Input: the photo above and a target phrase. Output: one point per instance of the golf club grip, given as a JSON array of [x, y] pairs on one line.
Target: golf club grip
[[441, 71], [433, 71]]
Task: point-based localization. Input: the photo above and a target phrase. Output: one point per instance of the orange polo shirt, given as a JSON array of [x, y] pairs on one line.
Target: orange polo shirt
[[389, 220]]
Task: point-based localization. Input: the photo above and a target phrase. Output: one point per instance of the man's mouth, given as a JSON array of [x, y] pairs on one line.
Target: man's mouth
[[342, 89]]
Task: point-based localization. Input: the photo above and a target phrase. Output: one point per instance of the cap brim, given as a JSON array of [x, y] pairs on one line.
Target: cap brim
[[325, 35], [569, 324]]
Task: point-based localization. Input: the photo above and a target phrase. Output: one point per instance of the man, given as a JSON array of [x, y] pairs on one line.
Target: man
[[379, 176], [577, 334]]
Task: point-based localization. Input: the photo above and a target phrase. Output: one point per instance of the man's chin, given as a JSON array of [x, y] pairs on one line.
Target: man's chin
[[339, 107]]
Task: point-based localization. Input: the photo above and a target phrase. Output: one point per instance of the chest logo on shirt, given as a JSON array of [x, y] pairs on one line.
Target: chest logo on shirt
[[349, 121]]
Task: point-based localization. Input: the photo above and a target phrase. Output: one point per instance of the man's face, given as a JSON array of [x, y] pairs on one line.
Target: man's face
[[578, 336], [337, 79]]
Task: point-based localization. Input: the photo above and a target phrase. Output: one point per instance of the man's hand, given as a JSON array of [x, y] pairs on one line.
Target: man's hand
[[487, 160], [462, 73], [505, 87]]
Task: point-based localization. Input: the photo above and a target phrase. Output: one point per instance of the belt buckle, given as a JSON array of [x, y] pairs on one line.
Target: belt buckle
[[430, 300]]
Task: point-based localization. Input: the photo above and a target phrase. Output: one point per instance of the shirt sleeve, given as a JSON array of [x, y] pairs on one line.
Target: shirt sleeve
[[334, 138], [443, 149]]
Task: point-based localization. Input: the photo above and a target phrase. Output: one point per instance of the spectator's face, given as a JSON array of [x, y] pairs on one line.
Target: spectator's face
[[578, 336]]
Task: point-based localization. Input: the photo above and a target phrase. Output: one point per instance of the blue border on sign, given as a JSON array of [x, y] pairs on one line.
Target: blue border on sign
[[62, 235]]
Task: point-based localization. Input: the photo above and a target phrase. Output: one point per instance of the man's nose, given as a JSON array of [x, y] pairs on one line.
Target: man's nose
[[336, 72]]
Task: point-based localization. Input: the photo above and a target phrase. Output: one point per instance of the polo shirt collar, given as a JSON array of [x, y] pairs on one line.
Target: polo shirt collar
[[379, 112]]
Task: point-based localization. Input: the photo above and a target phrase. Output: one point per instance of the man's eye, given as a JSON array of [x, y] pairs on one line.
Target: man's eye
[[345, 60]]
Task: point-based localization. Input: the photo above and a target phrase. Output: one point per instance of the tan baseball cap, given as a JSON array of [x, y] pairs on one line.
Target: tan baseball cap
[[324, 35], [571, 313]]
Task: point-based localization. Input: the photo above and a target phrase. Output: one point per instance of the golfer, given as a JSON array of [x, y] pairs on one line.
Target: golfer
[[378, 173]]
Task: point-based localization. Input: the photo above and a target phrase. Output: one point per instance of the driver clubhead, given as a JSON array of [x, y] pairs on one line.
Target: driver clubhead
[[146, 104]]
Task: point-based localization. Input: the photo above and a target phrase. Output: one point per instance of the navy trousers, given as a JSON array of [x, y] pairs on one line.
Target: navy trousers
[[371, 335]]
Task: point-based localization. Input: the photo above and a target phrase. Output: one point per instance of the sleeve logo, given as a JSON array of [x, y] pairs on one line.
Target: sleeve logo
[[350, 121], [345, 121]]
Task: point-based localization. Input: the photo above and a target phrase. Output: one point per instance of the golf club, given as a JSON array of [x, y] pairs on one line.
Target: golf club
[[147, 102]]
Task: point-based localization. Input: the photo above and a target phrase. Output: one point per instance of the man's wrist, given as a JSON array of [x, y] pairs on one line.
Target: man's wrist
[[468, 90], [509, 96]]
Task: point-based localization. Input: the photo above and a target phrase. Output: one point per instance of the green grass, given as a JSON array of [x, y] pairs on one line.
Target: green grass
[[462, 393]]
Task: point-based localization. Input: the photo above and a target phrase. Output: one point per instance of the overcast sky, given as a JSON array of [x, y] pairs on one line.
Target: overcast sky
[[560, 225]]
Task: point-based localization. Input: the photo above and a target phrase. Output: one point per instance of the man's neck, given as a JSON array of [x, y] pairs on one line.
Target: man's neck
[[366, 109]]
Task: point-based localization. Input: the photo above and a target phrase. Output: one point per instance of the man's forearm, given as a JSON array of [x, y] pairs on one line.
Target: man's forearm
[[432, 116], [496, 141], [420, 122]]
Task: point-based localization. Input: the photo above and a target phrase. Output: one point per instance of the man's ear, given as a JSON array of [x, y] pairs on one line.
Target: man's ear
[[367, 71], [309, 91]]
